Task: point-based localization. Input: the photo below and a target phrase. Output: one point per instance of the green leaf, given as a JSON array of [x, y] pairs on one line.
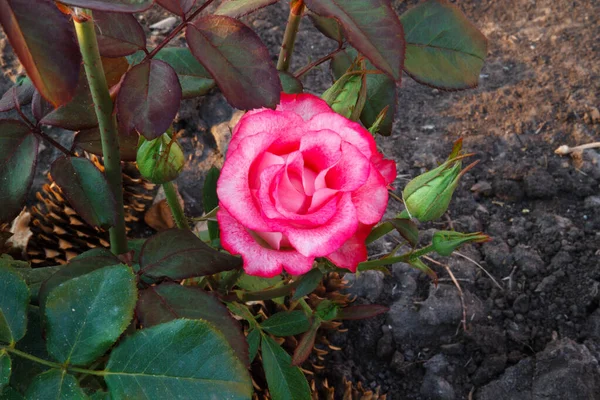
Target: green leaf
[[44, 40], [253, 340], [286, 323], [285, 381], [253, 283], [420, 265], [86, 315], [111, 5], [327, 26], [239, 8], [290, 83], [210, 199], [35, 277], [148, 99], [381, 91], [443, 48], [178, 359], [5, 369], [169, 301], [179, 254], [310, 281], [407, 229], [55, 385], [327, 310], [24, 370], [100, 395], [14, 297], [21, 91], [372, 27], [18, 156], [86, 189], [237, 59], [10, 394]]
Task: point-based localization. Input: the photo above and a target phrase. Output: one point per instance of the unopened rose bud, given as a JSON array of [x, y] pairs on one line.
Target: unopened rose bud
[[348, 94], [160, 160], [428, 195], [445, 242]]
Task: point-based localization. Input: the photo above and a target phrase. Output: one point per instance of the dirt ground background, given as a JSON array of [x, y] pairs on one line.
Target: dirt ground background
[[533, 331]]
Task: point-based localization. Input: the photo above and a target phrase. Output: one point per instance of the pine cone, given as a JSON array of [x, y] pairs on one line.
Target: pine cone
[[59, 234]]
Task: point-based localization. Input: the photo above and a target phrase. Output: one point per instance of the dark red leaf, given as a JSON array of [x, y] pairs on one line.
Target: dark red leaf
[[306, 344], [179, 7], [168, 301], [361, 311], [327, 26], [372, 27], [179, 254], [78, 113], [18, 156], [90, 141], [44, 41], [237, 8], [86, 189], [22, 92], [148, 99], [118, 34], [40, 107], [237, 59], [111, 5]]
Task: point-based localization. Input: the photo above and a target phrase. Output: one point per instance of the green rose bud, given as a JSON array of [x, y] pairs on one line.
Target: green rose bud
[[445, 242], [348, 94], [428, 195], [160, 160]]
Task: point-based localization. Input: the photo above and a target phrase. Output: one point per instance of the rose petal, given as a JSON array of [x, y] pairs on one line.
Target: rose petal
[[327, 238], [321, 150], [371, 198], [350, 131], [305, 105], [353, 251], [233, 186], [259, 260], [263, 161], [387, 168], [264, 120], [350, 172]]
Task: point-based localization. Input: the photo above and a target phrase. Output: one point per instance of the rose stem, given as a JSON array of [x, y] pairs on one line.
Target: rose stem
[[392, 260], [289, 37], [107, 121], [175, 206]]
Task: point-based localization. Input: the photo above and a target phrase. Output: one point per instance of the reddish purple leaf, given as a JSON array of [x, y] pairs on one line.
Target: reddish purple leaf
[[237, 60], [86, 189], [112, 5], [179, 7], [237, 8], [78, 113], [372, 27], [148, 99], [44, 41], [22, 93], [90, 141], [18, 156], [118, 34], [306, 344], [361, 311], [40, 107], [169, 301]]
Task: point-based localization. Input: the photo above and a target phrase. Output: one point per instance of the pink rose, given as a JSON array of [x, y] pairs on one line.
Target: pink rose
[[300, 182]]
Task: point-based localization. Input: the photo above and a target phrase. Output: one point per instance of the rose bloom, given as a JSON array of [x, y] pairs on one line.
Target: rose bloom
[[300, 182]]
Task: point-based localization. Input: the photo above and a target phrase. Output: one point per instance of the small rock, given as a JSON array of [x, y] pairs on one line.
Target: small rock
[[482, 187], [164, 25], [368, 284], [592, 202], [397, 363], [528, 260], [592, 327], [521, 304], [437, 364], [539, 184], [489, 368], [385, 345], [436, 388]]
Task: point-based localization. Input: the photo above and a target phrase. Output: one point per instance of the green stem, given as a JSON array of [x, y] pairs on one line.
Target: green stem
[[107, 122], [175, 206], [392, 260], [305, 307], [50, 363], [289, 37]]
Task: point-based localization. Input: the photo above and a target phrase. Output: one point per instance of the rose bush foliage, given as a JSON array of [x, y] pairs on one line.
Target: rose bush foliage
[[300, 182]]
